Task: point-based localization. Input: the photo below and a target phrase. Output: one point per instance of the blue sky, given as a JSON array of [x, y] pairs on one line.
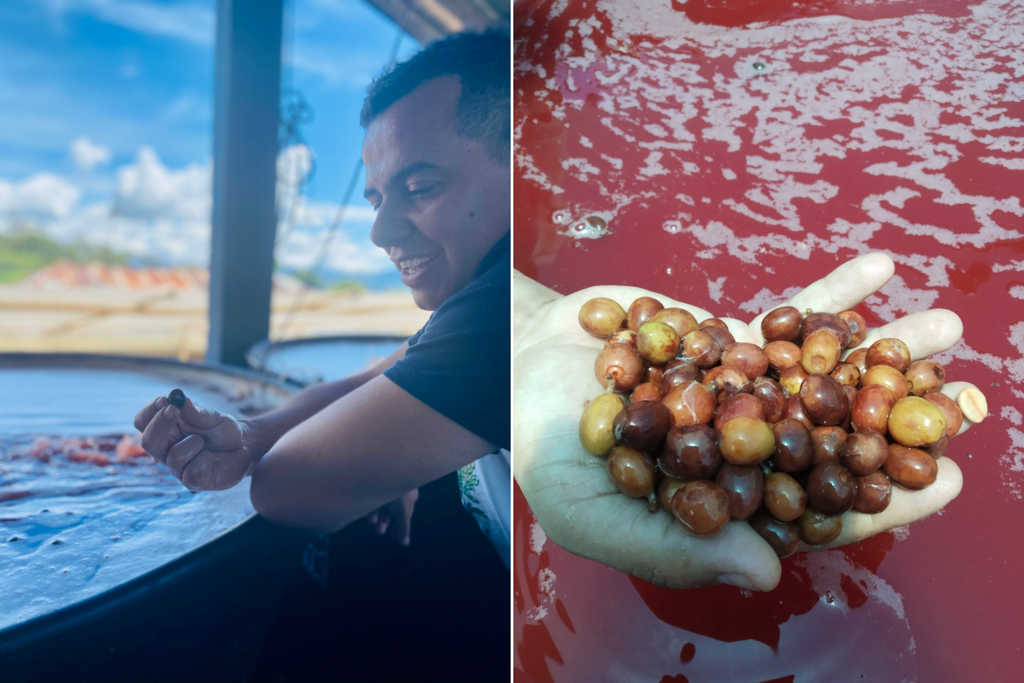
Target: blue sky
[[106, 120]]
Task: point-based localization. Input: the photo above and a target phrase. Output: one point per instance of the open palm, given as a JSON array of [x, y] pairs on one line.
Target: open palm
[[573, 497]]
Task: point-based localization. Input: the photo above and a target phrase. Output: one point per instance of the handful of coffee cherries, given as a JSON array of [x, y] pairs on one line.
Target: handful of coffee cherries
[[787, 436]]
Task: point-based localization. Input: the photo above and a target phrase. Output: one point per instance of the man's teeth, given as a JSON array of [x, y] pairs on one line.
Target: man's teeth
[[414, 262]]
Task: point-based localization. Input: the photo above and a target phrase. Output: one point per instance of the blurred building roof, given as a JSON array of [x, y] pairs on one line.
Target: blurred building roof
[[70, 275], [428, 20]]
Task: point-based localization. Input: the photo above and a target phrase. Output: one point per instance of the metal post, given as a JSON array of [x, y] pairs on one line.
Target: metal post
[[244, 175]]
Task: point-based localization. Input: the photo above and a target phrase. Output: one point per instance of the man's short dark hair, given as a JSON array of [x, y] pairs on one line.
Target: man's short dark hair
[[482, 61]]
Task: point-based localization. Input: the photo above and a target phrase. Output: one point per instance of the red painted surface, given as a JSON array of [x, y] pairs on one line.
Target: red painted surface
[[893, 131]]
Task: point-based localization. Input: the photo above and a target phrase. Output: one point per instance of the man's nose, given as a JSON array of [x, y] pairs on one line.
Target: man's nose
[[389, 227]]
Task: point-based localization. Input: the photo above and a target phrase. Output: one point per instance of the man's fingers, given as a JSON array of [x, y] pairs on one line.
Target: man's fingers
[[844, 287], [372, 518], [147, 414], [181, 454], [925, 332], [198, 418], [905, 507], [161, 433], [399, 531]]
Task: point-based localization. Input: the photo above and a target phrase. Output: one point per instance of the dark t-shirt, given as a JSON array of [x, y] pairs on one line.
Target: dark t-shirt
[[458, 363]]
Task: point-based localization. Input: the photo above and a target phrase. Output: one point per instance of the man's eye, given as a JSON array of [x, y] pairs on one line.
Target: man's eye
[[419, 190]]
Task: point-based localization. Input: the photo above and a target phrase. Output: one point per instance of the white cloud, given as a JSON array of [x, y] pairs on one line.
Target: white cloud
[[41, 195], [190, 22], [87, 155], [148, 189]]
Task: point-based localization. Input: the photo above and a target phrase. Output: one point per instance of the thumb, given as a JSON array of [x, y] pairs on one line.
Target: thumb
[[741, 558]]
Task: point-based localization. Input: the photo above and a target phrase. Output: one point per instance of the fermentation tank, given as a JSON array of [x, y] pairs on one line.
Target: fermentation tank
[[727, 154], [109, 568]]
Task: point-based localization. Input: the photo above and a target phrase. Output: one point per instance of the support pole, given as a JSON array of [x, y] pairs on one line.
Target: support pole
[[248, 82]]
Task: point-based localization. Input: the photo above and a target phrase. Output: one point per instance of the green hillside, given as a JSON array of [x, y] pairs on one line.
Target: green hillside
[[25, 250]]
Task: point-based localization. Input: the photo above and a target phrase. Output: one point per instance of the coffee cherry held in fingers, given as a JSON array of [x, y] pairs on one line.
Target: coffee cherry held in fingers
[[874, 492], [826, 321], [641, 311], [597, 431], [618, 367], [783, 537], [794, 448], [858, 327], [699, 348], [691, 452], [830, 489], [632, 471], [891, 352], [691, 403], [784, 497], [950, 410], [681, 320], [915, 422], [817, 528], [744, 486], [824, 400], [657, 342], [702, 507], [924, 376], [643, 425], [746, 440], [911, 468], [600, 317], [782, 324], [820, 352]]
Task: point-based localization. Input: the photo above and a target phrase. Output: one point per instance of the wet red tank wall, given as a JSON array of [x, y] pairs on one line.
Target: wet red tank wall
[[688, 149]]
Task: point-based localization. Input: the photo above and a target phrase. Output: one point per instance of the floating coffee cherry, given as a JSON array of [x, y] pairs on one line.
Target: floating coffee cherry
[[600, 317], [641, 311], [784, 497], [874, 492], [681, 320], [783, 537], [597, 433], [702, 507], [744, 486], [782, 324], [619, 367], [924, 376], [176, 398], [643, 425], [691, 452], [858, 327], [891, 352], [633, 472], [657, 342], [816, 528]]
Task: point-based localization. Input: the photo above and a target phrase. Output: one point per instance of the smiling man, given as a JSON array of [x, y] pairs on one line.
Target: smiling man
[[437, 166]]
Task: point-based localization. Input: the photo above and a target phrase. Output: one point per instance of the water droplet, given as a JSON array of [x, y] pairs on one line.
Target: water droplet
[[590, 227], [560, 217], [759, 66], [57, 541], [672, 227], [668, 271], [828, 597]]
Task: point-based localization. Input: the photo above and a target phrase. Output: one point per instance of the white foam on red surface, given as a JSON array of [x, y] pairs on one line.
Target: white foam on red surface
[[827, 569]]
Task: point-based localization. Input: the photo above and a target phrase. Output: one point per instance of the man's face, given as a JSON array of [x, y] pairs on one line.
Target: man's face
[[442, 202]]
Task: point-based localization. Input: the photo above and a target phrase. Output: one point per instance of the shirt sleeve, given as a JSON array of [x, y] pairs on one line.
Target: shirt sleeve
[[459, 362]]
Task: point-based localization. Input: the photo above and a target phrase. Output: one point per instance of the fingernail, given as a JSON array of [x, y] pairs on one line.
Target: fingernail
[[737, 580]]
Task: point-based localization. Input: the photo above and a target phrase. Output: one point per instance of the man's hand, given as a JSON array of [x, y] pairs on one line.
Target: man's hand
[[395, 518], [207, 451], [574, 498]]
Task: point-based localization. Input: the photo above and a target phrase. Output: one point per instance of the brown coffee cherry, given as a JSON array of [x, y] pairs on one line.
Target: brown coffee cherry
[[782, 355], [874, 492], [721, 336], [740, 405], [950, 410], [641, 311], [826, 321], [794, 448], [699, 348], [851, 395], [632, 471], [772, 397], [622, 336], [794, 410], [864, 452], [600, 317], [646, 391], [681, 320], [888, 377], [937, 449], [824, 400], [666, 489], [891, 352], [911, 468], [702, 507], [653, 374], [749, 359], [597, 431], [860, 359], [782, 324], [783, 537], [924, 376], [176, 398], [830, 489], [792, 378], [784, 497], [828, 441], [746, 440], [820, 352], [691, 452], [691, 403], [871, 408], [858, 327], [915, 422], [847, 374], [817, 528], [744, 485], [657, 342], [618, 367], [713, 322], [643, 425], [724, 382], [679, 371]]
